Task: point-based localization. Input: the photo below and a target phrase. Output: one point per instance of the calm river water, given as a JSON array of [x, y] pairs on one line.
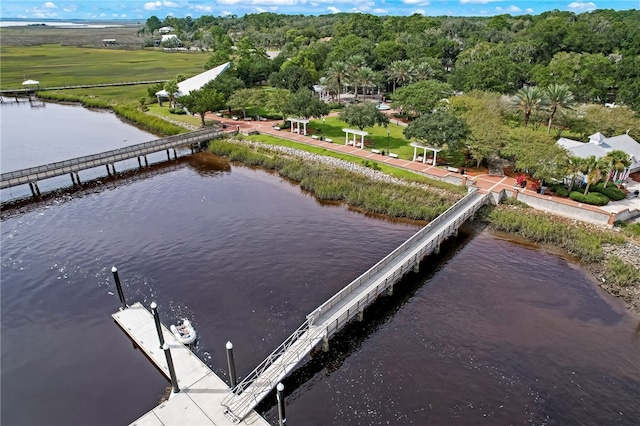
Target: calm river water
[[491, 332]]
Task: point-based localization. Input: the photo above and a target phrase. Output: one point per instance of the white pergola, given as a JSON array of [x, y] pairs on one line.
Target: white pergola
[[424, 148], [355, 133], [298, 121]]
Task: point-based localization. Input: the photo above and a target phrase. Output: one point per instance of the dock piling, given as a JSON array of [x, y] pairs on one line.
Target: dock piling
[[282, 417], [232, 365], [123, 303], [156, 319], [172, 370]]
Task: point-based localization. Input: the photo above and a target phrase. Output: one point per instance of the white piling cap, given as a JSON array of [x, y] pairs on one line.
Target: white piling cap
[[280, 387], [153, 305], [165, 346], [229, 345], [114, 269]]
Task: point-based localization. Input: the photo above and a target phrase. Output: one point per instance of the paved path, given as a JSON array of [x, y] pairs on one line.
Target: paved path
[[484, 182]]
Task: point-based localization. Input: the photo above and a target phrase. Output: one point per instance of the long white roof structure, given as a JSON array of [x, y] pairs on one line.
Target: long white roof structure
[[196, 82]]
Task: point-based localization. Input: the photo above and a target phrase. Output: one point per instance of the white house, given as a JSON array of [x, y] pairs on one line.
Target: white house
[[599, 145], [166, 30], [194, 83]]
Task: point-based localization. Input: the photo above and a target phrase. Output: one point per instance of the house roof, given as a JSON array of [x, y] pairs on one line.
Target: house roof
[[27, 82], [599, 145], [196, 82], [166, 30], [166, 37]]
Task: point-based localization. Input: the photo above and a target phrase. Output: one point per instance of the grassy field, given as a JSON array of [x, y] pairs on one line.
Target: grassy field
[[56, 65]]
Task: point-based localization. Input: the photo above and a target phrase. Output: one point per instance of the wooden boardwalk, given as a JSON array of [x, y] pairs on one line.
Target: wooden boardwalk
[[199, 401], [34, 174], [77, 86], [347, 304]]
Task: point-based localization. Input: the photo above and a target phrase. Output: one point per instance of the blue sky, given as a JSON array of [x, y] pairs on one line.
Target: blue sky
[[135, 9]]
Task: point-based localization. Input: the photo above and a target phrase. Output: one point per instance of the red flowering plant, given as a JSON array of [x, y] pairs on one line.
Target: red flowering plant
[[521, 181]]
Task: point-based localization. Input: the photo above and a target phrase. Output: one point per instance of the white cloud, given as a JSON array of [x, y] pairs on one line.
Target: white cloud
[[380, 11], [50, 5], [529, 10], [580, 6], [155, 5], [510, 9], [260, 10], [477, 1], [123, 15], [201, 8], [333, 9], [419, 12], [70, 9], [228, 2], [416, 2], [225, 13], [152, 5]]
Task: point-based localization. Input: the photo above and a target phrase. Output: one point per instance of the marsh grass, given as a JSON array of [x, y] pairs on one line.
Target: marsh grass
[[540, 227], [621, 273], [390, 170], [334, 184]]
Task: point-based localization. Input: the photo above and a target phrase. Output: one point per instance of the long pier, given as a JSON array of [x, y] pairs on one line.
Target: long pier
[[32, 175], [77, 86], [200, 397], [347, 304]]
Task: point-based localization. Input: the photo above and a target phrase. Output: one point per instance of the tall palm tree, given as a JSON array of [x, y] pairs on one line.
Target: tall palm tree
[[354, 63], [616, 161], [558, 97], [337, 73], [592, 168], [424, 71], [401, 72], [573, 168], [528, 100], [365, 78]]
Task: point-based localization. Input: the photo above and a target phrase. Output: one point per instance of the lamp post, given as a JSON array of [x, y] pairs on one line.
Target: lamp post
[[323, 126], [388, 132]]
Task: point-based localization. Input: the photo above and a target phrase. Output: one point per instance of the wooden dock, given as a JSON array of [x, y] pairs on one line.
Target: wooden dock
[[199, 401]]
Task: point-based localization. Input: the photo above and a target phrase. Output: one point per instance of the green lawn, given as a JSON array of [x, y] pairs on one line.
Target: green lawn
[[55, 65], [163, 111]]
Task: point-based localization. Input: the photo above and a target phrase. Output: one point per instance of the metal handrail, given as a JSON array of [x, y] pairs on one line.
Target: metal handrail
[[262, 378], [185, 138]]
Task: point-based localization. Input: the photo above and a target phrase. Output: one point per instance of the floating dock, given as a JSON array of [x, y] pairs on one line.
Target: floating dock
[[201, 391]]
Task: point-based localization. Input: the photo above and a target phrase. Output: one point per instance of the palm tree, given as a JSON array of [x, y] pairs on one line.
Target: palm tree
[[592, 168], [424, 71], [337, 73], [558, 97], [365, 78], [616, 161], [527, 100], [573, 168], [401, 72], [171, 87], [354, 63]]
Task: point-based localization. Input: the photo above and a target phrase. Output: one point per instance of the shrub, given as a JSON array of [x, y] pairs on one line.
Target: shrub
[[176, 110], [610, 191], [593, 198], [560, 190], [334, 105]]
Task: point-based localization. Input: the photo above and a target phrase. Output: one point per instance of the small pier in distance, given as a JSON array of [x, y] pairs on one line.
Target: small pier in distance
[[199, 401]]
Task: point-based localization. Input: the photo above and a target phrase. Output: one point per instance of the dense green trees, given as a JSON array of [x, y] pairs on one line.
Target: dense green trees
[[202, 101], [440, 128]]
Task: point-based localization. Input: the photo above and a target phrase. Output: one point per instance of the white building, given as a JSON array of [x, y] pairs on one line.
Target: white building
[[599, 145], [194, 83]]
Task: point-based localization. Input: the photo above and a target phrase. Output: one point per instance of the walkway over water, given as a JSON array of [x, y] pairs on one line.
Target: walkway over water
[[79, 86], [33, 174], [347, 304]]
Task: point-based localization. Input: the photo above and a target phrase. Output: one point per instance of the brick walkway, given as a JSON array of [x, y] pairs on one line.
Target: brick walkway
[[484, 182]]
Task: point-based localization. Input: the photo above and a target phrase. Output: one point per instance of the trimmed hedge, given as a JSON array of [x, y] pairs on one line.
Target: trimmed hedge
[[560, 190], [593, 198], [610, 191]]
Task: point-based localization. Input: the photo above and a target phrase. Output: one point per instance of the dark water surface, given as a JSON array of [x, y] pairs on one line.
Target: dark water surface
[[492, 332]]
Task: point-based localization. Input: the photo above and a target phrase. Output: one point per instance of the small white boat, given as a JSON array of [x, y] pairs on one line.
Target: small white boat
[[185, 333]]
